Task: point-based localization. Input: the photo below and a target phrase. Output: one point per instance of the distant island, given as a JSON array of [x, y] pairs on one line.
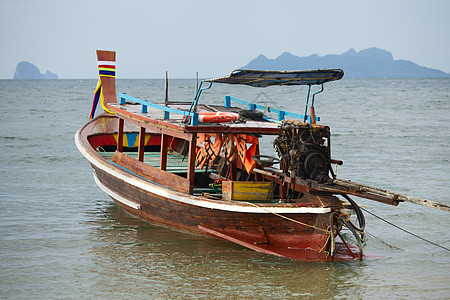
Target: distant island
[[26, 70], [367, 63]]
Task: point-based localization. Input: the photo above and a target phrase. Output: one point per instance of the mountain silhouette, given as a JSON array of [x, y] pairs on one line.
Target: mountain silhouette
[[367, 63], [26, 70]]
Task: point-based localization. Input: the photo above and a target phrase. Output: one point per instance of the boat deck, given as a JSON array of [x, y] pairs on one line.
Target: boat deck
[[162, 119]]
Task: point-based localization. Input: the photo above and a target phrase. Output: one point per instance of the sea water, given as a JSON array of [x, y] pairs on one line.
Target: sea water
[[62, 237]]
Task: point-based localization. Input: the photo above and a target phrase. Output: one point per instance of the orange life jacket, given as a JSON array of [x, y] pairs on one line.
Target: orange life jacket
[[209, 150], [246, 153]]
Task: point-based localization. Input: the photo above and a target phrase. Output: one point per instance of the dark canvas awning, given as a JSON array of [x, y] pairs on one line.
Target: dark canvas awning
[[267, 78]]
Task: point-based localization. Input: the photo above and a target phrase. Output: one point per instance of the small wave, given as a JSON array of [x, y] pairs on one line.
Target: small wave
[[13, 138]]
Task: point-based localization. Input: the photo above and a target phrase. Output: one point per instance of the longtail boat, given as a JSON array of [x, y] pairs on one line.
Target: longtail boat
[[199, 168]]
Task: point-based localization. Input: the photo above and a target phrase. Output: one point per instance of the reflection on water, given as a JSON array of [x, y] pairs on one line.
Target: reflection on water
[[133, 253]]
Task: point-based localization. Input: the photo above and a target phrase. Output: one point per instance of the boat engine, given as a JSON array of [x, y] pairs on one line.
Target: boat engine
[[304, 150]]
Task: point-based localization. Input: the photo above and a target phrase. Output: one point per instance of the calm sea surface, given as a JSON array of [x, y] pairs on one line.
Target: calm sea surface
[[62, 237]]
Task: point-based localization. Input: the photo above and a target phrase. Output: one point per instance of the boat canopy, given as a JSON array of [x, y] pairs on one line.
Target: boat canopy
[[259, 78]]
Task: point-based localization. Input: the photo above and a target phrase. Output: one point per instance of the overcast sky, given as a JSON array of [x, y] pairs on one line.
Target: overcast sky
[[213, 37]]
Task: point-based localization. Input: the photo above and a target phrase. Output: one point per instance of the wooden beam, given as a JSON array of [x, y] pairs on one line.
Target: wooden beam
[[120, 136], [141, 147], [163, 157], [370, 192], [191, 162], [108, 81], [166, 90], [151, 173]]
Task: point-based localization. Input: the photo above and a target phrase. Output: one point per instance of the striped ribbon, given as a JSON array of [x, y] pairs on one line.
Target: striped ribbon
[[107, 68]]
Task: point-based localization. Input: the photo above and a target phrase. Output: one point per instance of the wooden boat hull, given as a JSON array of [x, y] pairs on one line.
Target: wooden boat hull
[[292, 231]]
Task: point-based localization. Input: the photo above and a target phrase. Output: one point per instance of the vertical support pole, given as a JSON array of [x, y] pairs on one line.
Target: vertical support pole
[[196, 81], [120, 136], [233, 170], [191, 162], [283, 192], [122, 100], [163, 156], [306, 106], [313, 115], [166, 115], [227, 101], [194, 119], [258, 176], [166, 90], [141, 146], [144, 108]]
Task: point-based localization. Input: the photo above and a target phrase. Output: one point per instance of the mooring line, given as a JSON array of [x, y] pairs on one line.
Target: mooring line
[[383, 241], [287, 218], [409, 232]]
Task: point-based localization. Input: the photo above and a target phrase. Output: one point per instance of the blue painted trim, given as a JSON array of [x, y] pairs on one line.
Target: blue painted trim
[[194, 103], [227, 101], [131, 138], [122, 99], [312, 102], [281, 113], [307, 101], [109, 73], [193, 116], [166, 115]]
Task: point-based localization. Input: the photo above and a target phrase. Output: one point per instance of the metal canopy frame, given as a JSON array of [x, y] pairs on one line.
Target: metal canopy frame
[[261, 78]]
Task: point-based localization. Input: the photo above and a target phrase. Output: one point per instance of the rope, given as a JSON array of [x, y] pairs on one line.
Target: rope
[[289, 219], [170, 149], [404, 230], [383, 241], [326, 231], [324, 245]]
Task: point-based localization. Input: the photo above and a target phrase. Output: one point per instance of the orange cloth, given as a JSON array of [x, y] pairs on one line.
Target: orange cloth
[[246, 153], [210, 150]]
